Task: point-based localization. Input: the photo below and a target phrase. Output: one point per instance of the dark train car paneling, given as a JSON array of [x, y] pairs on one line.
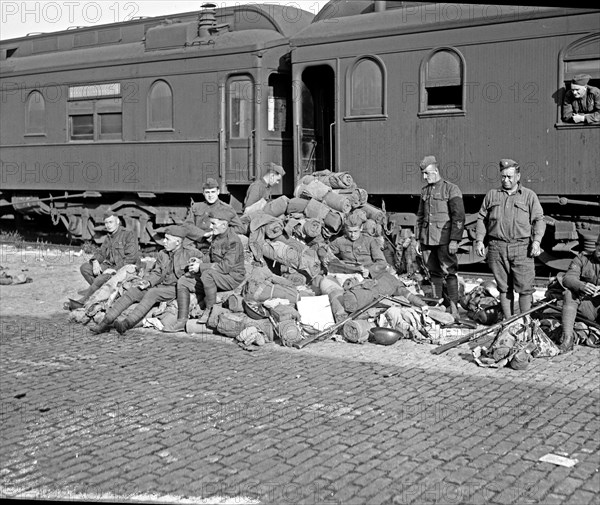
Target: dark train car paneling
[[141, 113]]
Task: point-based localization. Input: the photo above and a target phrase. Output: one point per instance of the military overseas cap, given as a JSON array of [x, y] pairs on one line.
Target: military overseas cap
[[581, 79], [210, 184], [222, 212], [109, 213], [176, 230], [274, 167], [508, 163], [428, 160]]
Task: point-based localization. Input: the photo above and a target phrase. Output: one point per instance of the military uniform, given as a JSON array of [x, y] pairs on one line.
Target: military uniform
[[225, 269], [170, 266], [511, 221], [440, 219], [198, 216], [257, 190], [583, 269], [365, 251], [118, 249]]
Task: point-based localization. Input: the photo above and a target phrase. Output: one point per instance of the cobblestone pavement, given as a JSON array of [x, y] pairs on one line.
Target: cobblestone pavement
[[175, 417]]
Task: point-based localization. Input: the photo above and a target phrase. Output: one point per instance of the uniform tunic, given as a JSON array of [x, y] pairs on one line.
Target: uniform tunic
[[257, 190], [589, 106], [365, 251], [198, 216], [512, 221]]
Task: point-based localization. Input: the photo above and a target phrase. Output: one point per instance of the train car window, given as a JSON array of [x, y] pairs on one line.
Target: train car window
[[442, 83], [96, 119], [366, 89], [241, 107], [160, 106], [35, 119], [278, 111], [580, 57]]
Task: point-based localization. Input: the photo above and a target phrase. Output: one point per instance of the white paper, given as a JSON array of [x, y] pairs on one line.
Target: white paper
[[315, 311], [558, 460]]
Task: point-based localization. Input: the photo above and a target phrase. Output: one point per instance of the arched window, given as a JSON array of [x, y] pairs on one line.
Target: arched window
[[580, 57], [443, 83], [35, 119], [366, 89], [160, 106]]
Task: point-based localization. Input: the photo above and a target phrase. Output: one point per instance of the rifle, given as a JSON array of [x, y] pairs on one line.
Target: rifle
[[333, 328], [480, 333]]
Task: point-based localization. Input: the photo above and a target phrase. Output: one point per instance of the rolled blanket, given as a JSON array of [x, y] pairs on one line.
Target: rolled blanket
[[261, 291], [234, 303], [357, 297], [316, 209], [307, 179], [363, 195], [296, 205], [333, 221], [284, 313], [213, 315], [276, 207], [341, 180], [374, 213], [312, 228], [329, 285], [357, 331], [231, 325], [274, 229], [360, 214], [315, 189], [372, 228], [339, 202]]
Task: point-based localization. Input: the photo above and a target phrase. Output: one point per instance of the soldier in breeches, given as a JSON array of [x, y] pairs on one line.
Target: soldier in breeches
[[440, 224], [582, 294], [158, 285], [513, 220]]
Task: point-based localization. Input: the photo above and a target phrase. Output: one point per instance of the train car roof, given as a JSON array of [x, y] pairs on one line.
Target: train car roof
[[341, 20], [282, 20]]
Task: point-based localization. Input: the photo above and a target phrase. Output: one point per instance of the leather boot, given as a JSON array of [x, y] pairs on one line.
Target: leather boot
[[437, 287], [566, 343], [506, 304], [525, 302], [102, 327], [183, 311], [123, 324]]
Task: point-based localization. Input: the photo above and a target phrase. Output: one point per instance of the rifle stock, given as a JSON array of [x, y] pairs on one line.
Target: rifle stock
[[484, 331]]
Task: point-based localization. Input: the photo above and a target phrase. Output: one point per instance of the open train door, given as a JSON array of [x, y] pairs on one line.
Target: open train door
[[314, 117], [239, 129]]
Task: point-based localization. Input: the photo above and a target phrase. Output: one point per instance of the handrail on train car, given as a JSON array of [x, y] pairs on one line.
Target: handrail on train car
[[85, 194]]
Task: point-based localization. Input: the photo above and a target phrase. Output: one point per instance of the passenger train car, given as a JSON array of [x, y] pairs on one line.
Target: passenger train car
[[136, 115]]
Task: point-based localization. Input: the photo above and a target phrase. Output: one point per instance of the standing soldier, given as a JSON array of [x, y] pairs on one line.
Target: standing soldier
[[440, 224], [513, 220]]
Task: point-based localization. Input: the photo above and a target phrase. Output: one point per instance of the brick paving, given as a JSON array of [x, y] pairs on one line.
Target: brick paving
[[178, 417]]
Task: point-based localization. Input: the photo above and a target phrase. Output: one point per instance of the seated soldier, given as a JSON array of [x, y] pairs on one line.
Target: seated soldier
[[222, 268], [582, 294], [582, 102], [261, 188], [120, 248], [356, 249], [158, 285], [198, 213]]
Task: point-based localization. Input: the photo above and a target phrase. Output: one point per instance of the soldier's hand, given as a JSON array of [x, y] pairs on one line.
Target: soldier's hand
[[144, 284], [453, 246], [535, 249], [96, 270], [418, 247], [589, 289], [365, 272], [479, 248], [194, 266]]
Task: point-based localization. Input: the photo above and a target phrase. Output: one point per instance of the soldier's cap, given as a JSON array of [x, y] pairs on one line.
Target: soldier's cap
[[581, 79], [223, 213], [428, 160], [176, 230], [353, 221], [109, 213], [273, 167], [507, 163], [210, 184]]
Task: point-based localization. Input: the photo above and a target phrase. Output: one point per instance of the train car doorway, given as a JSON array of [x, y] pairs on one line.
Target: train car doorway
[[317, 120], [240, 130]]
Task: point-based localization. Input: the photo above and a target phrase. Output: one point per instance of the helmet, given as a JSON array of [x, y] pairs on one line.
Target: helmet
[[488, 315], [386, 336]]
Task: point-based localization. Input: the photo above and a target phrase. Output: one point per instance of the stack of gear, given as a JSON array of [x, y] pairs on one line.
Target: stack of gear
[[482, 303], [516, 345]]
